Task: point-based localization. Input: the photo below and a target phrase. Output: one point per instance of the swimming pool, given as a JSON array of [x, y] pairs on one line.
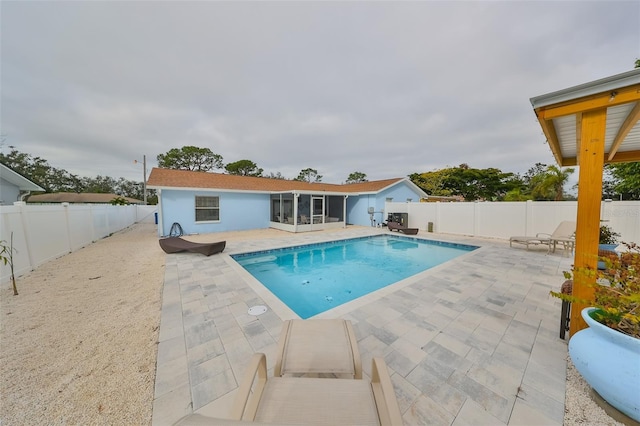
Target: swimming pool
[[314, 278]]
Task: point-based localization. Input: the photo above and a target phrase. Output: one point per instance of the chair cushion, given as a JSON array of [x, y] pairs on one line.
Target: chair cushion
[[318, 347], [301, 400]]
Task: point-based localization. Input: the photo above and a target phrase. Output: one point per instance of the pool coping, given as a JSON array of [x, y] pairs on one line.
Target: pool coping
[[285, 312]]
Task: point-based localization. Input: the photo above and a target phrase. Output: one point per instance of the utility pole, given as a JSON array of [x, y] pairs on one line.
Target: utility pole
[[144, 177], [144, 180]]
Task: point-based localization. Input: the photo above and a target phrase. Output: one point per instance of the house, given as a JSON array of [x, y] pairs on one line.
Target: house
[[203, 202], [81, 198], [14, 187]]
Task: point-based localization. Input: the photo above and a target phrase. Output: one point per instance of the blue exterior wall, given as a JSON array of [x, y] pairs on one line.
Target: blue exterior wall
[[358, 206], [238, 211], [244, 210], [9, 193]]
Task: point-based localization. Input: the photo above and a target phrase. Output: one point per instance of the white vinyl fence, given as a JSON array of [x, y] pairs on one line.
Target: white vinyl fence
[[42, 232], [506, 219]]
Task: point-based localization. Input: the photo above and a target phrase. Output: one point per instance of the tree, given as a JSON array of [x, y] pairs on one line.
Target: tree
[[309, 175], [244, 168], [39, 171], [100, 185], [468, 182], [516, 195], [357, 177], [432, 182], [550, 184], [190, 158], [624, 179], [52, 179], [276, 175], [119, 201]]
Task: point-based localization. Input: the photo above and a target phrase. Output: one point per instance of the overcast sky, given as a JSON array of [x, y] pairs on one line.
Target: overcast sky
[[383, 88]]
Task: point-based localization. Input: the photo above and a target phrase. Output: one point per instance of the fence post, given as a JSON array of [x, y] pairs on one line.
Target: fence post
[[476, 217], [25, 230], [528, 219], [65, 208]]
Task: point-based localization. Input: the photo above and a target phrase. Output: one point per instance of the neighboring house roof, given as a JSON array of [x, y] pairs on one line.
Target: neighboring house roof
[[15, 178], [185, 179], [73, 197]]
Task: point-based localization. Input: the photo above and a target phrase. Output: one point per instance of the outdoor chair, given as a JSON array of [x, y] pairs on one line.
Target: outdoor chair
[[312, 348], [324, 347], [177, 244], [563, 234], [316, 401], [395, 226]]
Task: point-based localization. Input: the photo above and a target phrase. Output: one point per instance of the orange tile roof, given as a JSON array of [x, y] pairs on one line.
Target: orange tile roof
[[171, 178]]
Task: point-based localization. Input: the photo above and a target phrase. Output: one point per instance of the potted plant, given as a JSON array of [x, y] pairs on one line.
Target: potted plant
[[607, 244], [608, 235], [607, 353]]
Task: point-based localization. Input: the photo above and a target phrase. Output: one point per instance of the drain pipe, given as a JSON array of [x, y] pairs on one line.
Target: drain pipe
[[23, 195]]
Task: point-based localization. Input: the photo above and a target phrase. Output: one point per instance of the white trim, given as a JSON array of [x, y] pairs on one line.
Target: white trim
[[613, 82]]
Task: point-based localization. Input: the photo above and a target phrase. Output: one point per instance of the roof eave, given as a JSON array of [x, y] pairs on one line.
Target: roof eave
[[606, 84]]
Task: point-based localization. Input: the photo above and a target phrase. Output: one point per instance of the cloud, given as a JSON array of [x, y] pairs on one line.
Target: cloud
[[384, 88]]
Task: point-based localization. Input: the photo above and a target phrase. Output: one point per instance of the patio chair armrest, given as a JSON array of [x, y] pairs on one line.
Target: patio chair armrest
[[357, 362], [282, 344], [245, 404], [384, 395]]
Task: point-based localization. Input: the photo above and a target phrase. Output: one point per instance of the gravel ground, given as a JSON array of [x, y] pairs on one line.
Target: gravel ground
[[579, 406], [78, 345]]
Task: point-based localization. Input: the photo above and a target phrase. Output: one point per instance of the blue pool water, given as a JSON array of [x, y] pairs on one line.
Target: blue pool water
[[315, 278]]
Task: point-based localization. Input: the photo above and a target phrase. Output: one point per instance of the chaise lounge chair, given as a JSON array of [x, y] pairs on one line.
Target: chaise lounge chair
[[564, 235], [326, 347], [309, 401], [177, 244], [285, 399], [395, 226]]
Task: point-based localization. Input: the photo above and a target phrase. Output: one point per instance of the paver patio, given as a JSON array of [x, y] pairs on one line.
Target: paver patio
[[472, 341]]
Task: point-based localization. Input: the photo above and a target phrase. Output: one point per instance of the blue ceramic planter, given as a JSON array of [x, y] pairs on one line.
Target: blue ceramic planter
[[609, 361], [607, 247]]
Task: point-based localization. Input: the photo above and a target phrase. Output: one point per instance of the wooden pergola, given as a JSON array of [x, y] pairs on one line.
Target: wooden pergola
[[591, 125]]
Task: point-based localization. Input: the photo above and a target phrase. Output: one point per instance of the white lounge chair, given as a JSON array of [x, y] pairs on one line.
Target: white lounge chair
[[312, 347], [564, 235], [303, 400], [325, 347]]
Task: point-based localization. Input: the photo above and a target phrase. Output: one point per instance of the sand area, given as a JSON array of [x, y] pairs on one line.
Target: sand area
[[78, 344]]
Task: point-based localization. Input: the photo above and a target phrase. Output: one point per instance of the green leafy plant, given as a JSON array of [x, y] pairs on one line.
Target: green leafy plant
[[608, 235], [6, 256], [119, 201], [617, 291]]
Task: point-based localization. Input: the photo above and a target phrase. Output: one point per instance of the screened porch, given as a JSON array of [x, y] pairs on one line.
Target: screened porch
[[303, 212]]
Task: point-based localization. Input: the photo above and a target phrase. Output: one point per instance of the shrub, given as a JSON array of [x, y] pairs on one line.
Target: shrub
[[617, 291]]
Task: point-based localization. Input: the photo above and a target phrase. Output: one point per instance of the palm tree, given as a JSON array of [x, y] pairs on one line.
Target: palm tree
[[551, 184]]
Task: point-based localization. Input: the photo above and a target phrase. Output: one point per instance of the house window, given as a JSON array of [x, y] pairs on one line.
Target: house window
[[207, 209]]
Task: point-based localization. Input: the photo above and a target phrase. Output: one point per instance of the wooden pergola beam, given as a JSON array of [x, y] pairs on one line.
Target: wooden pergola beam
[[591, 103], [620, 157], [626, 127], [549, 130]]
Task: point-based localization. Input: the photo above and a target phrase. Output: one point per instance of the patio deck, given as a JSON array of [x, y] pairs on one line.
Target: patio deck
[[472, 341]]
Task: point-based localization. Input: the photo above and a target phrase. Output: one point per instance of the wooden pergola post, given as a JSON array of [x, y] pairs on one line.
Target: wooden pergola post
[[591, 160], [575, 121]]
